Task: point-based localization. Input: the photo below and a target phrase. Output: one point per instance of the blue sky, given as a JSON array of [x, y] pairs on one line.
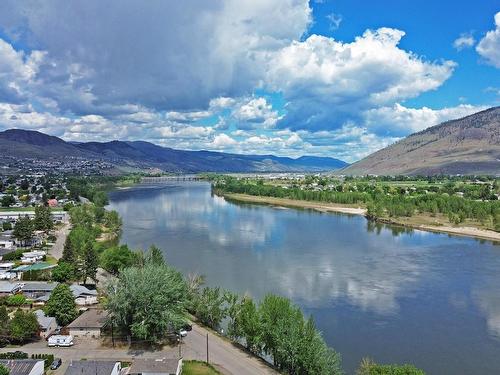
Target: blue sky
[[288, 77]]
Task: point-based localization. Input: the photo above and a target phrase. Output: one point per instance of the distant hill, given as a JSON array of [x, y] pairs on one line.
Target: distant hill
[[139, 154], [469, 146]]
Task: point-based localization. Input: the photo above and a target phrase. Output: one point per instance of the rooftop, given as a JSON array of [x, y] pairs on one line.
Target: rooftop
[[44, 320], [154, 366], [8, 287], [92, 318], [79, 290], [19, 366], [34, 267], [90, 367], [37, 286]]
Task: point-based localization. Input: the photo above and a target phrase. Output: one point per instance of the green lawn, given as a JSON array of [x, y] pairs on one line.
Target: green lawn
[[198, 368]]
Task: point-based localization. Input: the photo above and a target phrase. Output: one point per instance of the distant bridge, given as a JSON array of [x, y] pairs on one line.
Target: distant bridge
[[182, 177]]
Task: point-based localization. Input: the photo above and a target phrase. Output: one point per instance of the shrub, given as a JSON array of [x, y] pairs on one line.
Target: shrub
[[16, 300]]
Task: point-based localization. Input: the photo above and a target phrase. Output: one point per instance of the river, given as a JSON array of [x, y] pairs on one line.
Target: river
[[394, 295]]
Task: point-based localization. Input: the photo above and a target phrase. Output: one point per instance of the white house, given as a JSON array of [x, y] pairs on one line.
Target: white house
[[7, 288], [83, 296], [24, 366], [160, 366], [7, 244], [33, 256], [5, 273]]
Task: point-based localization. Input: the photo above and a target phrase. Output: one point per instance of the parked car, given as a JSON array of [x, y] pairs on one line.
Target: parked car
[[187, 327], [183, 333], [56, 364]]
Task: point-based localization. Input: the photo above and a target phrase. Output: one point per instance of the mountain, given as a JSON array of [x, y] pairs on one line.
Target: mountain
[[470, 145], [139, 154]]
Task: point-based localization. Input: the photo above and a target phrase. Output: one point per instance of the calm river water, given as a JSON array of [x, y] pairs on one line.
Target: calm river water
[[424, 298]]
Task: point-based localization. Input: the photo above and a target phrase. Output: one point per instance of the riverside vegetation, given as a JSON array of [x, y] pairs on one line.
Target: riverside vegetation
[[457, 201]]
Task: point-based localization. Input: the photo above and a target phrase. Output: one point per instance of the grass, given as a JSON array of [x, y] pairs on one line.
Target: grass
[[198, 368]]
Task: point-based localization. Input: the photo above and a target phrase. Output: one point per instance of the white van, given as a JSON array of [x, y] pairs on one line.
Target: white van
[[60, 340]]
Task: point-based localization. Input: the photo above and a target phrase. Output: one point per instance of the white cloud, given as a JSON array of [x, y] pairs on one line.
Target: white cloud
[[334, 20], [327, 82], [465, 40], [402, 120], [223, 141], [489, 46], [256, 112]]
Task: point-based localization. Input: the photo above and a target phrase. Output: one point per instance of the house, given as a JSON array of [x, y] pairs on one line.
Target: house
[[24, 366], [163, 366], [7, 243], [89, 324], [36, 289], [33, 256], [52, 202], [83, 295], [94, 368], [47, 324], [5, 269], [7, 288]]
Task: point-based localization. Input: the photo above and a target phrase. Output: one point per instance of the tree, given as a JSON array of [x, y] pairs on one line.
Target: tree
[[113, 222], [23, 326], [210, 307], [115, 258], [89, 263], [6, 225], [63, 272], [4, 370], [23, 229], [248, 325], [148, 302], [15, 300], [155, 256], [43, 218], [368, 367], [61, 305], [8, 200]]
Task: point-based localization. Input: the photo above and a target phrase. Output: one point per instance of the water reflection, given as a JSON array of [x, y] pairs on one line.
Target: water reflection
[[372, 288]]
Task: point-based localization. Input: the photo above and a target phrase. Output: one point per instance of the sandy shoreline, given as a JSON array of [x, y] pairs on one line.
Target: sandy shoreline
[[330, 207]]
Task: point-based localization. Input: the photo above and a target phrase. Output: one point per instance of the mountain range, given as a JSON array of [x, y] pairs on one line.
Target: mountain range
[[468, 146], [138, 154]]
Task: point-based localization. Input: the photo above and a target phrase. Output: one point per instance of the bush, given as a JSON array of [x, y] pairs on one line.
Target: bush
[[16, 300], [368, 367], [14, 355], [13, 255]]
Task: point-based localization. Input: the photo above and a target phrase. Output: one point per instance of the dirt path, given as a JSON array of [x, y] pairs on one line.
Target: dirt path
[[61, 235]]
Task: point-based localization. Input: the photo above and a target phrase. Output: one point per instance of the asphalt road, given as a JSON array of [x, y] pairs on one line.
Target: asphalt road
[[61, 234], [229, 359]]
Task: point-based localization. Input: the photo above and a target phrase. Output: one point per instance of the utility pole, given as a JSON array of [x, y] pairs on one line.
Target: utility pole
[[207, 349]]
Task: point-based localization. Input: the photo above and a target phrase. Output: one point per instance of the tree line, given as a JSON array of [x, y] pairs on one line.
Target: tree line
[[378, 200]]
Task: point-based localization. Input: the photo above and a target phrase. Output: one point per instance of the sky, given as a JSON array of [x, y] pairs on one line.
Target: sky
[[338, 78]]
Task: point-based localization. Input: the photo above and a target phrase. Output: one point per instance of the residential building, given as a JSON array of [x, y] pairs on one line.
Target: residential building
[[163, 366], [89, 324], [83, 295], [35, 289], [24, 366], [7, 288], [94, 368], [47, 324], [33, 256], [5, 269]]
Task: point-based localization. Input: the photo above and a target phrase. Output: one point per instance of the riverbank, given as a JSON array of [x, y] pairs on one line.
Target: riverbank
[[420, 222]]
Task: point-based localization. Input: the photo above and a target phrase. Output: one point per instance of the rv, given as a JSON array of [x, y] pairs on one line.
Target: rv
[[60, 340]]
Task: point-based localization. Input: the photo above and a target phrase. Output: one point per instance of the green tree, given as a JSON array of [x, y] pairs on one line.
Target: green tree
[[4, 370], [210, 307], [248, 325], [15, 300], [6, 225], [155, 256], [113, 222], [63, 272], [8, 200], [61, 305], [43, 218], [23, 229], [23, 326], [115, 258], [89, 263], [368, 367], [148, 302]]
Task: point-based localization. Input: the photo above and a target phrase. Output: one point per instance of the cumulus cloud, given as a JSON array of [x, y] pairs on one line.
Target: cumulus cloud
[[465, 40], [327, 82], [489, 46], [256, 112]]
